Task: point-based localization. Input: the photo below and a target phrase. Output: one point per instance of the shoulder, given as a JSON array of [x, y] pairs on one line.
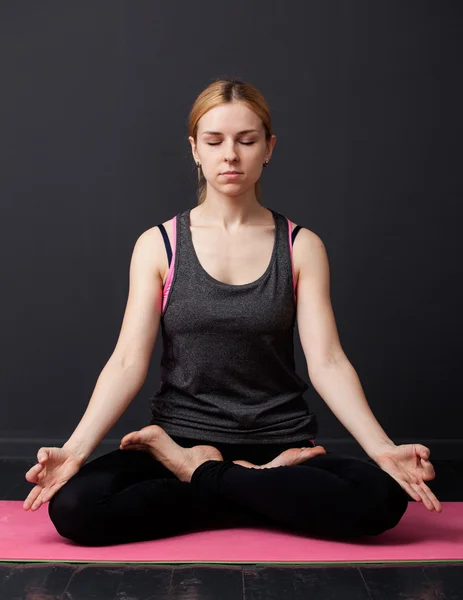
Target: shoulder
[[150, 248], [308, 248], [153, 243]]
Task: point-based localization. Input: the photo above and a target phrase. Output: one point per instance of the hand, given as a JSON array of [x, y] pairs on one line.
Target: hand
[[408, 464], [55, 467]]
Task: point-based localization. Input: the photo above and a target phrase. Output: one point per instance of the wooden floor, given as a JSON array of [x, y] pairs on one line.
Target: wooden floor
[[73, 581]]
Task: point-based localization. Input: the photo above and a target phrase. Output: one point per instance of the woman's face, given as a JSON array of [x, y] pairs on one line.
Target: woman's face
[[231, 137]]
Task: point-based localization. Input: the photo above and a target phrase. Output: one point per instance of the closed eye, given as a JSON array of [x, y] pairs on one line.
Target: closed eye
[[216, 143]]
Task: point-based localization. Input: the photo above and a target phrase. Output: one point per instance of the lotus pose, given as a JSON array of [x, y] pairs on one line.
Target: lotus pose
[[230, 440]]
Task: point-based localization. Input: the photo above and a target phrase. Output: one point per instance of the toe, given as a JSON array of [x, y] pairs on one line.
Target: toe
[[130, 438]]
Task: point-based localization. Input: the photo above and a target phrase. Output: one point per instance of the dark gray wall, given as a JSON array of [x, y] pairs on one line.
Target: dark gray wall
[[366, 100]]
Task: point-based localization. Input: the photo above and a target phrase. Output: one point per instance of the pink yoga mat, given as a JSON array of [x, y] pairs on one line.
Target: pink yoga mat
[[421, 536]]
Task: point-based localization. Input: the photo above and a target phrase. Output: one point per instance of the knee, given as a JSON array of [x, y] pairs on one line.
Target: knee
[[397, 503], [72, 516], [389, 510]]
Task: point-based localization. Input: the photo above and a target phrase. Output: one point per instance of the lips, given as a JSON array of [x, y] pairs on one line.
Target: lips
[[231, 173]]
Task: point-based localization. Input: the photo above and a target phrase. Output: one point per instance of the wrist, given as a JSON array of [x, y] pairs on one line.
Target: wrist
[[380, 447], [77, 450]]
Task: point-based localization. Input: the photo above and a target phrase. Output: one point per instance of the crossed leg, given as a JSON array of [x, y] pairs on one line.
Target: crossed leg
[[331, 495], [127, 496]]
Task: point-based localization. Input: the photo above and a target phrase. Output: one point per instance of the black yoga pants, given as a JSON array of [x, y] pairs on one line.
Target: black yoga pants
[[127, 495]]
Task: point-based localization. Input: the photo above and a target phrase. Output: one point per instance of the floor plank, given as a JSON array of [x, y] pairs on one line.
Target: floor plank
[[204, 582], [298, 583], [24, 581], [445, 580], [145, 583], [392, 582], [93, 582]]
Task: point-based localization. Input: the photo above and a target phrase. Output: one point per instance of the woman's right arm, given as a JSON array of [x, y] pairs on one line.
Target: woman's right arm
[[127, 368]]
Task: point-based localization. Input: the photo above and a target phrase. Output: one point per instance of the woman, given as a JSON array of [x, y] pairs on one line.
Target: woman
[[231, 440]]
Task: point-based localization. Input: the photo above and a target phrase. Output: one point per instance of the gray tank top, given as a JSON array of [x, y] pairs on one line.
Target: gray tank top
[[227, 367]]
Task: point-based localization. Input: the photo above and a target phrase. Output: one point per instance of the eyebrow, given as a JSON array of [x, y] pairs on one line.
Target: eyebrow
[[239, 132]]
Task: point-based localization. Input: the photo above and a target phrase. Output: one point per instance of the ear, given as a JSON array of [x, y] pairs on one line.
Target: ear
[[193, 149], [271, 145]]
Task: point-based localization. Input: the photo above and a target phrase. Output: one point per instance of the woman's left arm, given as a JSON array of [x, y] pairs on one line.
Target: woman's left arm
[[330, 371], [336, 380], [339, 386]]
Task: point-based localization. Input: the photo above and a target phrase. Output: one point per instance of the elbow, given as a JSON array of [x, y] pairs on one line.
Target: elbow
[[320, 365], [134, 364]]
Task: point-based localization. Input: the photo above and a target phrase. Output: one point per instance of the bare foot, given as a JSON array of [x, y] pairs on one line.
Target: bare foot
[[292, 456], [181, 461]]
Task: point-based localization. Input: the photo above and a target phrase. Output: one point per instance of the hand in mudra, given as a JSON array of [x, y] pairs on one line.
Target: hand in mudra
[[292, 456], [54, 468], [408, 464]]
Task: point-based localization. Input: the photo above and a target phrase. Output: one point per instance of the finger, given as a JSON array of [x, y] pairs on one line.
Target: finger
[[424, 498], [431, 498], [33, 472], [410, 491], [38, 502], [31, 497], [34, 493], [429, 472], [51, 491], [42, 455], [424, 452]]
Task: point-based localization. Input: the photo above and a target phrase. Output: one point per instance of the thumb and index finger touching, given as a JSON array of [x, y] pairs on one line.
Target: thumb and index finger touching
[[42, 455]]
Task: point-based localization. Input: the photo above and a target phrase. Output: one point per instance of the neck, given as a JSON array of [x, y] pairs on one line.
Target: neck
[[230, 212]]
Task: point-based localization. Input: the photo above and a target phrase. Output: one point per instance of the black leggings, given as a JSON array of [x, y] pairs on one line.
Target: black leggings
[[126, 496]]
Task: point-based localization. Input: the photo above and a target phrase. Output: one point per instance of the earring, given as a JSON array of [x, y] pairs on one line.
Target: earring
[[266, 163], [199, 172]]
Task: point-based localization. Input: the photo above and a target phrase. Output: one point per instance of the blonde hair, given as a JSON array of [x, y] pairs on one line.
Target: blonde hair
[[223, 91]]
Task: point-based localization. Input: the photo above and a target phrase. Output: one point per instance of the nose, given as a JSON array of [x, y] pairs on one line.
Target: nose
[[230, 153]]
